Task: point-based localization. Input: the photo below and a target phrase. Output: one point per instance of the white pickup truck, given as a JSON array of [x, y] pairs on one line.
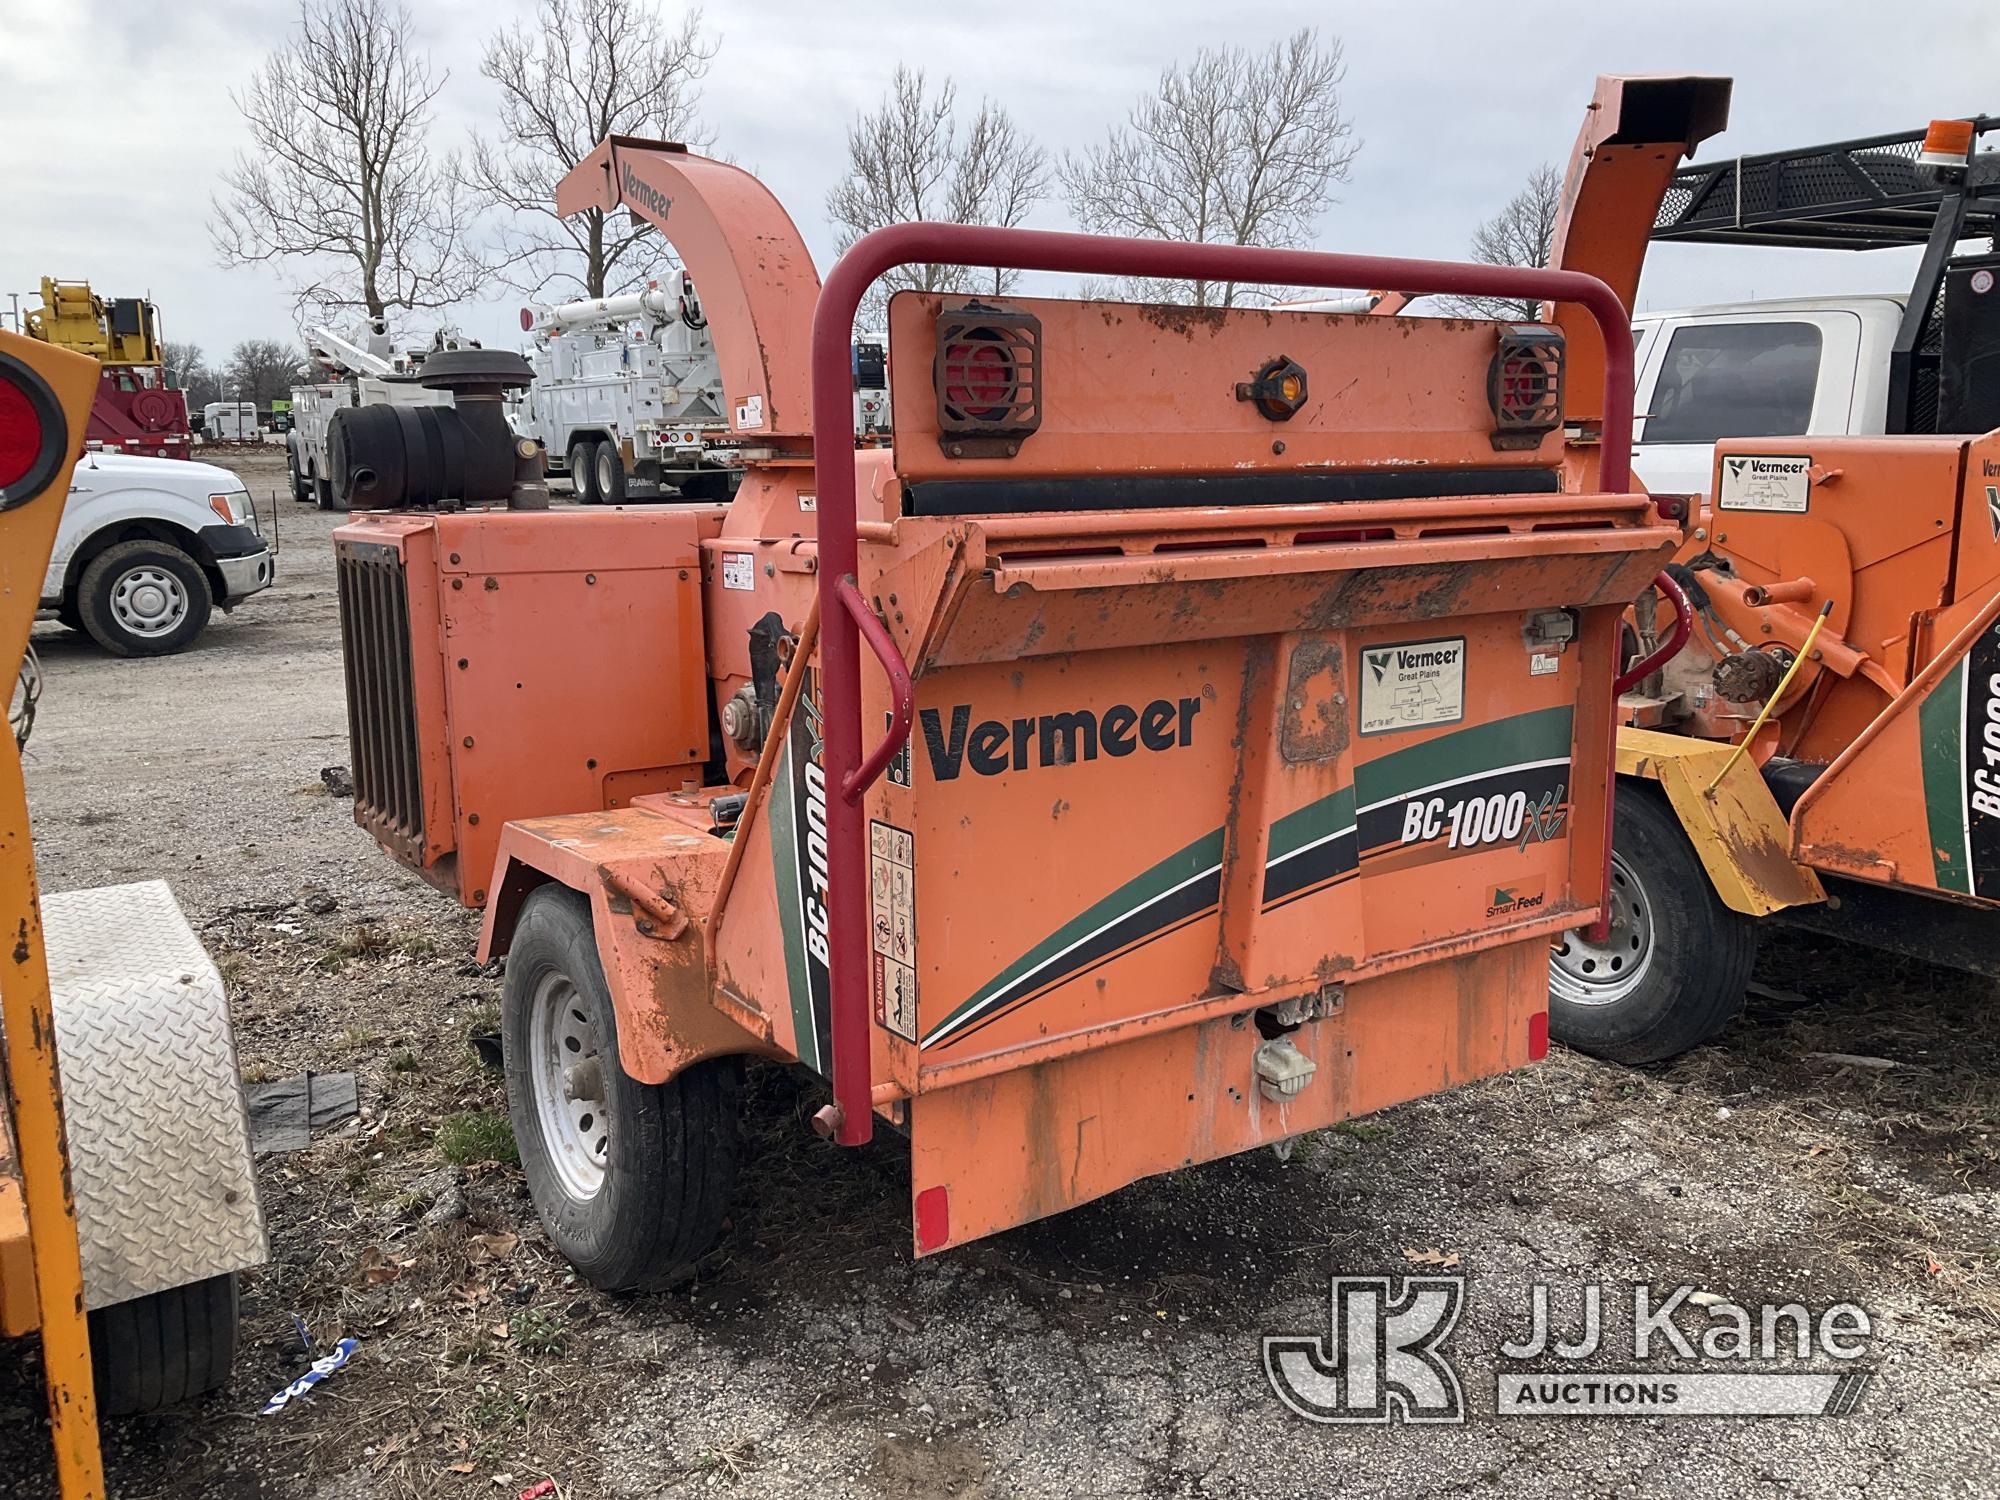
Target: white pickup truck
[[1796, 367], [148, 546]]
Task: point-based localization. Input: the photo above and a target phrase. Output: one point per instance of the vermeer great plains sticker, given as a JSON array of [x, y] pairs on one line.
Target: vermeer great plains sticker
[[1412, 685], [1756, 481]]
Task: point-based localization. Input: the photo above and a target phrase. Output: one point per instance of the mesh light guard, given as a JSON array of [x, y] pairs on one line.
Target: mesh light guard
[[987, 377], [1524, 385]]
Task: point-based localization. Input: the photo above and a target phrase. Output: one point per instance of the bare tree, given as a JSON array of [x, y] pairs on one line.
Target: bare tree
[[912, 159], [188, 371], [261, 370], [584, 69], [340, 183], [1522, 234], [1234, 148], [183, 362]]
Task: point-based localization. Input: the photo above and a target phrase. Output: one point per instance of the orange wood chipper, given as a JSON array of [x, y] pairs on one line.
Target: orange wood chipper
[[1823, 748], [1192, 731]]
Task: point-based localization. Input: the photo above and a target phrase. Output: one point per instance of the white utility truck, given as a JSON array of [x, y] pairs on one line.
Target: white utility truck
[[364, 370], [1919, 359], [1793, 367], [147, 547], [627, 397]]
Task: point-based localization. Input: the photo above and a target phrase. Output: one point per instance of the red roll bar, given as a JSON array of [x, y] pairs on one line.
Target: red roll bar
[[1639, 671], [841, 605]]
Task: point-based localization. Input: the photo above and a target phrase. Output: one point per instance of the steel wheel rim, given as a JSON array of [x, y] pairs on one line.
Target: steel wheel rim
[[1586, 973], [148, 601], [563, 1055]]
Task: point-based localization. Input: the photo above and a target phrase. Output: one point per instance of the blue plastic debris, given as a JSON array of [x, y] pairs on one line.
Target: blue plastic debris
[[322, 1367]]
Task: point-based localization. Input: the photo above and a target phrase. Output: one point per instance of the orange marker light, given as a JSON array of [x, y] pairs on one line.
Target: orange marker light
[[1947, 143]]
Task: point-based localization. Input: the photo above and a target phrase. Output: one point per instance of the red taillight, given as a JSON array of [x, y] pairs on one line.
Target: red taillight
[[980, 379], [1538, 1036], [987, 377], [1524, 385], [34, 438], [20, 434]]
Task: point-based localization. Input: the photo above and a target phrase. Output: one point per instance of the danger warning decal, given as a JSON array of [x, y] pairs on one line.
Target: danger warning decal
[[1959, 729], [892, 901]]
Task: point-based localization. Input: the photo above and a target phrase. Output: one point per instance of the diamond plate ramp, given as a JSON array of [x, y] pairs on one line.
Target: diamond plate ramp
[[159, 1152]]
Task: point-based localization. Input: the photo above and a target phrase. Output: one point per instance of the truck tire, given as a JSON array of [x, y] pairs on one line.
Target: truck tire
[[1673, 971], [323, 493], [631, 1180], [582, 482], [155, 1351], [143, 598], [301, 485], [608, 477]]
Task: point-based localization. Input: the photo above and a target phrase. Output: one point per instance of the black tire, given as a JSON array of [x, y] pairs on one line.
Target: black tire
[[322, 488], [135, 567], [607, 479], [301, 487], [67, 616], [156, 1351], [669, 1158], [582, 483], [1690, 955]]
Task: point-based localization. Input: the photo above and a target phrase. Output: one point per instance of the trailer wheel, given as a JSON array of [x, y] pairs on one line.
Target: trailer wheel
[[609, 476], [143, 598], [171, 1346], [631, 1180], [583, 483], [1672, 972]]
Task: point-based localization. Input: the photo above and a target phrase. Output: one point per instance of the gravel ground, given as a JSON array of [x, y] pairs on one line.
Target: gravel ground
[[1112, 1351]]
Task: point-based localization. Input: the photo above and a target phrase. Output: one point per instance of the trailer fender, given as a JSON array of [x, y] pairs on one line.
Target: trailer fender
[[165, 1181], [1739, 833], [650, 880]]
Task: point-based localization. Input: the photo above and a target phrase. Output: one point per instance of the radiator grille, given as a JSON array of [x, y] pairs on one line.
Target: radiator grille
[[381, 703]]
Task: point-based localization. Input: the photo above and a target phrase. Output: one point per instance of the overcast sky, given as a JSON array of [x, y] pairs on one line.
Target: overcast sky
[[115, 116]]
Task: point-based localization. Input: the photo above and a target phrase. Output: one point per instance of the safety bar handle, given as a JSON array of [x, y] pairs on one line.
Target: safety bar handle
[[1639, 671], [852, 1114], [902, 691], [1600, 929]]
